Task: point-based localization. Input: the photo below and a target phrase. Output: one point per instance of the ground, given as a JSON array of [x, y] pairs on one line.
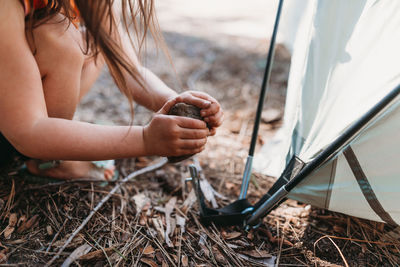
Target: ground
[[153, 220]]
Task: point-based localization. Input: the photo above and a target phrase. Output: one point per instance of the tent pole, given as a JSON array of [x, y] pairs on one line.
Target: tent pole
[[264, 88], [261, 209]]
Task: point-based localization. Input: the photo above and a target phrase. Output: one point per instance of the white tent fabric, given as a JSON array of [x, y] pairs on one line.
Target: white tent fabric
[[346, 59]]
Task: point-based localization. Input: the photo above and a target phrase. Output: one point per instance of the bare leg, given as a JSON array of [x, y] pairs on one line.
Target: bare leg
[[67, 75]]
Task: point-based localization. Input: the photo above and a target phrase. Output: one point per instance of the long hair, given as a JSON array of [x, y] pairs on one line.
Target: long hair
[[100, 21]]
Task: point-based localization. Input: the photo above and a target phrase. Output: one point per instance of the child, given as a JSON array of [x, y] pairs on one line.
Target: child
[[47, 65]]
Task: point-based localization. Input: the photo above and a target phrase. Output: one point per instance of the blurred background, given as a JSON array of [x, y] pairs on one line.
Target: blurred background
[[216, 46]]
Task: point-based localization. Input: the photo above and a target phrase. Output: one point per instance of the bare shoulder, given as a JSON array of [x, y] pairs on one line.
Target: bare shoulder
[[14, 48], [12, 16]]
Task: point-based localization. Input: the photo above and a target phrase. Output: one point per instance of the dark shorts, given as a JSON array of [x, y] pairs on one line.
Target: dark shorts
[[7, 152]]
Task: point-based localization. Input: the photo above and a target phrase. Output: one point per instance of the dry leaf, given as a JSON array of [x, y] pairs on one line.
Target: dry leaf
[[205, 250], [157, 223], [250, 235], [169, 208], [185, 261], [338, 229], [261, 261], [141, 202], [232, 235], [149, 262], [97, 254], [3, 258], [219, 257], [202, 244], [28, 224], [258, 254], [49, 230], [189, 201], [1, 204], [16, 242], [8, 231], [159, 256], [21, 220], [12, 221], [208, 192], [180, 221], [148, 250]]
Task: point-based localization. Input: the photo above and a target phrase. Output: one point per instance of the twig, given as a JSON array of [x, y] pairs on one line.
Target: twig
[[103, 201], [338, 249], [56, 235]]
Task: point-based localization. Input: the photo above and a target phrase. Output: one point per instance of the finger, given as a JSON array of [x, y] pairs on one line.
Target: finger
[[203, 96], [190, 123], [215, 120], [213, 131], [192, 151], [213, 109], [192, 143], [168, 105], [195, 101], [194, 134]]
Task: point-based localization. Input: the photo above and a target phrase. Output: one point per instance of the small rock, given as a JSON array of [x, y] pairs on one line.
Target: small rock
[[184, 110]]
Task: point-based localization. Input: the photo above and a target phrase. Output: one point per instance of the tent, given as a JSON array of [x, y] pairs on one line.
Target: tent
[[339, 146]]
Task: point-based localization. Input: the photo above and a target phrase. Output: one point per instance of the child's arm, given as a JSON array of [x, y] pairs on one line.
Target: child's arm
[[25, 123], [157, 93]]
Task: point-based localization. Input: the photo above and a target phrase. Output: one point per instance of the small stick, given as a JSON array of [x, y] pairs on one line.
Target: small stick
[[104, 200], [56, 235]]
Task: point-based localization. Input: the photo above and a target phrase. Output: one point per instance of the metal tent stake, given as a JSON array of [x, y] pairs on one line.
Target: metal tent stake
[[264, 89]]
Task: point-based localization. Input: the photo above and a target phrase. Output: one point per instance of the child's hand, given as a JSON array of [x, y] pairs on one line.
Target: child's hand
[[174, 136], [211, 110]]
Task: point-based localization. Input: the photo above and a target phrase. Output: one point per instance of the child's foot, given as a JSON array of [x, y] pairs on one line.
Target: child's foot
[[69, 170]]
